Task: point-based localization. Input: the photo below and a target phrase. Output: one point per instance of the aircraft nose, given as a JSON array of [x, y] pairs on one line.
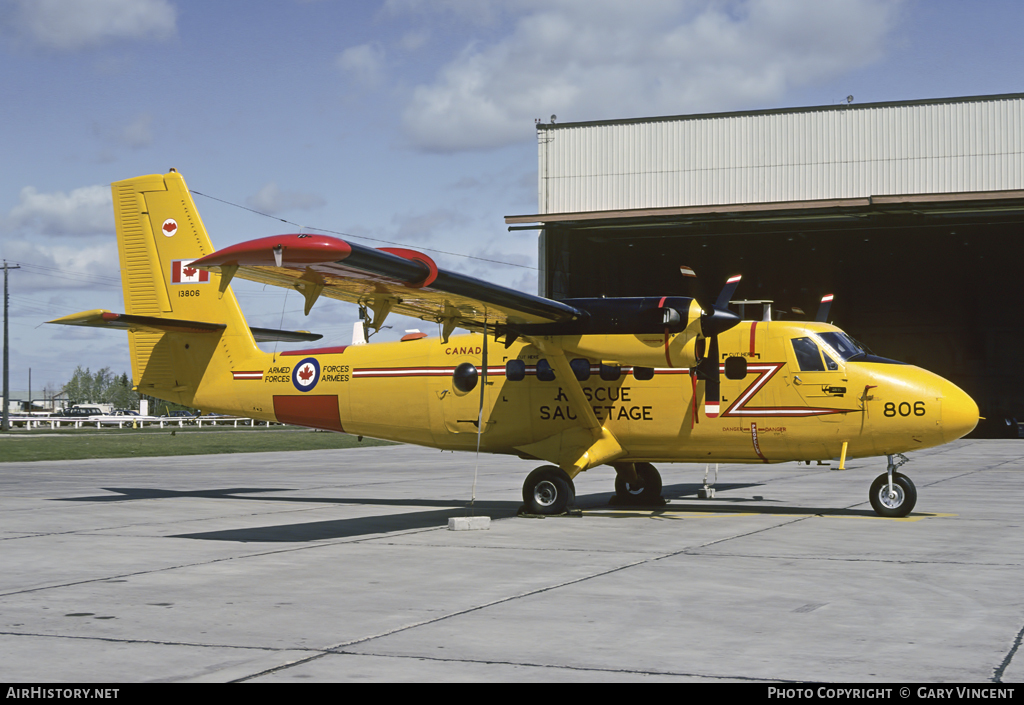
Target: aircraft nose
[[959, 412]]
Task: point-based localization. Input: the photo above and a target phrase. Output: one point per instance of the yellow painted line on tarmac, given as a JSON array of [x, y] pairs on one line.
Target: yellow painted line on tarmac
[[666, 514], [912, 517], [686, 513]]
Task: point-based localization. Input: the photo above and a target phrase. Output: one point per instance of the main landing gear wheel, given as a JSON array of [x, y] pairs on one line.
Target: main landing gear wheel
[[898, 503], [548, 491], [647, 488]]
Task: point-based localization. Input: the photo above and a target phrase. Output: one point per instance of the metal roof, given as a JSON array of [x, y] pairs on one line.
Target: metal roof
[[817, 156]]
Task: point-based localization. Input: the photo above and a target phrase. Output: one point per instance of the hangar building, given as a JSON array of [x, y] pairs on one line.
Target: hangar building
[[911, 213]]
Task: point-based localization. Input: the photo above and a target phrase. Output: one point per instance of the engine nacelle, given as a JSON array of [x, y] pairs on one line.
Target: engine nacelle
[[682, 349]]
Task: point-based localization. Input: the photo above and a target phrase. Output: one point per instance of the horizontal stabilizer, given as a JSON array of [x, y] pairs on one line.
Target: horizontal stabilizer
[[98, 318], [270, 335]]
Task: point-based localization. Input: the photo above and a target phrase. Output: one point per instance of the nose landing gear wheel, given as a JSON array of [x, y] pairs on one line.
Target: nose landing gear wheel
[[548, 491], [647, 488], [898, 503]]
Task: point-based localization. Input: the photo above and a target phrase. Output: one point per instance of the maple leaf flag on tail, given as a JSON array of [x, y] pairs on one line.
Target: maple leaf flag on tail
[[182, 273]]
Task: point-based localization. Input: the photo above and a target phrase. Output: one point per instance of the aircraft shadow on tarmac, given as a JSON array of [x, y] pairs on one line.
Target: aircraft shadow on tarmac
[[444, 509]]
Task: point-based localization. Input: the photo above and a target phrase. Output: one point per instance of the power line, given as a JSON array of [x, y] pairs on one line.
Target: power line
[[362, 237], [72, 275]]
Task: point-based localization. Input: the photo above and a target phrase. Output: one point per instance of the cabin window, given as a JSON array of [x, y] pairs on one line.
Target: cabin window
[[808, 357], [643, 373], [464, 377], [544, 371], [580, 368], [515, 370], [610, 373]]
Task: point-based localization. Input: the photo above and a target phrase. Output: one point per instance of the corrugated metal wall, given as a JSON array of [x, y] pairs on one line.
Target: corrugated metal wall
[[950, 146]]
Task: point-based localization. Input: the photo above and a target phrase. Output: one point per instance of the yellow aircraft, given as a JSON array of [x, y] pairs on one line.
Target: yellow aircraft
[[577, 384]]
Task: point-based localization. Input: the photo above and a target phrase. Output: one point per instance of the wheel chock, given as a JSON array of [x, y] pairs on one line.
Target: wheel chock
[[468, 523]]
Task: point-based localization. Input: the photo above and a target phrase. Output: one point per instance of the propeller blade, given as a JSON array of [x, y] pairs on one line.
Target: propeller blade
[[718, 320], [727, 291], [823, 309], [712, 388]]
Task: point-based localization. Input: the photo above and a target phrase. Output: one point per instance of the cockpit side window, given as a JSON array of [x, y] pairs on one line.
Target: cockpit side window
[[807, 355], [846, 347]]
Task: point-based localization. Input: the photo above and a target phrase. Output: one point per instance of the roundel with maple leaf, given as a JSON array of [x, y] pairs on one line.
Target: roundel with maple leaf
[[305, 374]]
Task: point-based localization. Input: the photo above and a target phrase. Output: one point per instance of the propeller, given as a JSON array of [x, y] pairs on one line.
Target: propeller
[[823, 309], [712, 322]]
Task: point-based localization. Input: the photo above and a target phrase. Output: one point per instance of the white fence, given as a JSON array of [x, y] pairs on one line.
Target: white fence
[[109, 421]]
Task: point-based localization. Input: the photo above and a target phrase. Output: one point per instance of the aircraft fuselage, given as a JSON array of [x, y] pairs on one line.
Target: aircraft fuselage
[[794, 397]]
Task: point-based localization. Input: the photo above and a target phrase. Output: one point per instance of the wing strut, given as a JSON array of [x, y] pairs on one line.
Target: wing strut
[[602, 446]]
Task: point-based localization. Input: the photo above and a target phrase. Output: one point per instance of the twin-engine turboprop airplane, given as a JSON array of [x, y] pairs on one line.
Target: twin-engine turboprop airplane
[[577, 383]]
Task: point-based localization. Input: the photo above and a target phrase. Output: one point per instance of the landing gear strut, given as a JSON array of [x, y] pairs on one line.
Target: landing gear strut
[[642, 486], [892, 494]]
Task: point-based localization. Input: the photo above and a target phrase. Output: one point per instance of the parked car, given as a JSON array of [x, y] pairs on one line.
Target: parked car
[[181, 415], [80, 412]]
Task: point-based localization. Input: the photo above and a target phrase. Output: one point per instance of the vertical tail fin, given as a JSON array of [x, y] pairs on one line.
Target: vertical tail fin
[[159, 233]]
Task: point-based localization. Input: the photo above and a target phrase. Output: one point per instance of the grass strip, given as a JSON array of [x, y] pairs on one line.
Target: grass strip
[[138, 443]]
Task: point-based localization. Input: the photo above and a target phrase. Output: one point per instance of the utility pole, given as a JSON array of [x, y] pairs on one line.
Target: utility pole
[[5, 424]]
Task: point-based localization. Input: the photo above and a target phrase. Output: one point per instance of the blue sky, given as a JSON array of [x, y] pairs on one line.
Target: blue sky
[[408, 121]]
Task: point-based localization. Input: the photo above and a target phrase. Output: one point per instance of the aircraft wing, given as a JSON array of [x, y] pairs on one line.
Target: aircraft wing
[[385, 280]]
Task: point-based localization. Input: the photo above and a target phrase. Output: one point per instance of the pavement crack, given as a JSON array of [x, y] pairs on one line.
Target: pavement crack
[[997, 675]]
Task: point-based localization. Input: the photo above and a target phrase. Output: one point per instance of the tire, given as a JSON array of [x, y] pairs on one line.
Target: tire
[[646, 491], [548, 491], [899, 506]]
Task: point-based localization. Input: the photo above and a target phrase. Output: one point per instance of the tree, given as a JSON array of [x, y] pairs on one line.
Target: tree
[[119, 393], [101, 387]]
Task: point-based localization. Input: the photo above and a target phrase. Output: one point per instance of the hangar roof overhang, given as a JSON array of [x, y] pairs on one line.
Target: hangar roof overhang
[[988, 204]]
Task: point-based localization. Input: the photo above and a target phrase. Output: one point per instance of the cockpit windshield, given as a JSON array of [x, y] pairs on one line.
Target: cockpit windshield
[[845, 347]]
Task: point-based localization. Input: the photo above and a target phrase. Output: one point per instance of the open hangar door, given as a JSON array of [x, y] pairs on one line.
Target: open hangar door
[[931, 281]]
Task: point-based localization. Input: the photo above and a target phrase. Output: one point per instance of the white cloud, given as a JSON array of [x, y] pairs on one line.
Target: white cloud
[[70, 25], [270, 199], [604, 59], [365, 63], [85, 211], [47, 267]]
